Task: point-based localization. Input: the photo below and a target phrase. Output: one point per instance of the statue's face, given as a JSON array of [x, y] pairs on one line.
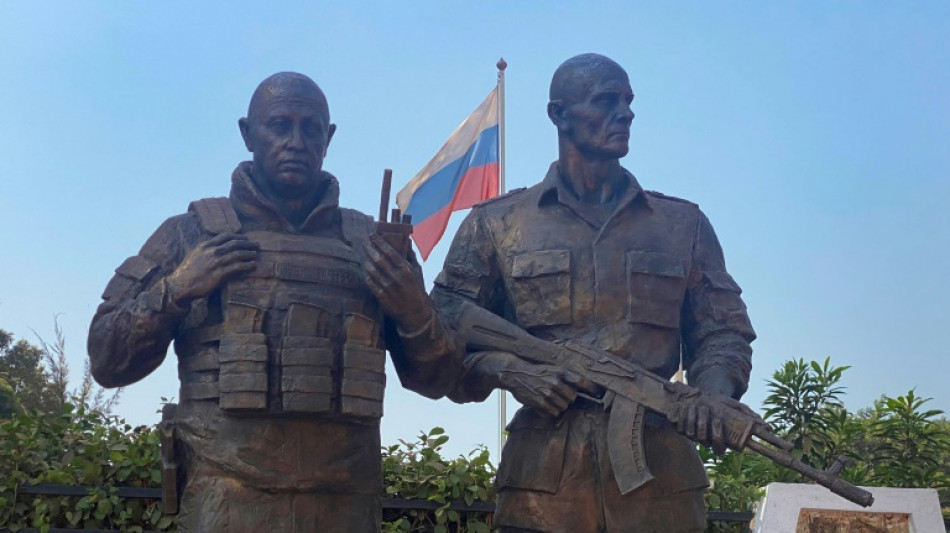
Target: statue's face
[[598, 118], [289, 136]]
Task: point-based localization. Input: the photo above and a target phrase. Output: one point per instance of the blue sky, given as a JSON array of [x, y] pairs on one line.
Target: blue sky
[[813, 134]]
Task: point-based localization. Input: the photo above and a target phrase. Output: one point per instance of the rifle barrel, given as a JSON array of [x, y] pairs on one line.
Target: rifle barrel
[[826, 479]]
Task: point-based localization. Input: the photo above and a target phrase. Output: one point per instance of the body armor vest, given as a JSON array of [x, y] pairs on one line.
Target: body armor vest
[[299, 334]]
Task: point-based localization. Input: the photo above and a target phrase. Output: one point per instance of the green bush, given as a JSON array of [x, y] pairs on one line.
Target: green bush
[[76, 447], [417, 470]]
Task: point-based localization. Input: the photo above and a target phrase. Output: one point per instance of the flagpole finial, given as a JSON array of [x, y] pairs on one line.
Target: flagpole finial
[[501, 64]]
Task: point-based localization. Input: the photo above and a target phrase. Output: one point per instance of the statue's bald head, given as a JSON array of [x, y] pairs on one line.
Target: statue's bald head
[[288, 130], [574, 77], [287, 86]]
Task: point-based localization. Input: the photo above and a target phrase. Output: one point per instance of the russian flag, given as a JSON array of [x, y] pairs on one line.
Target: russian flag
[[463, 173]]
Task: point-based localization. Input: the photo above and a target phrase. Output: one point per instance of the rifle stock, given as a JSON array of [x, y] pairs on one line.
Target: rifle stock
[[631, 390]]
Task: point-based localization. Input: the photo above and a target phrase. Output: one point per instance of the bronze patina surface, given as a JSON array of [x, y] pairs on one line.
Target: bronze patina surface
[[589, 256], [280, 304]]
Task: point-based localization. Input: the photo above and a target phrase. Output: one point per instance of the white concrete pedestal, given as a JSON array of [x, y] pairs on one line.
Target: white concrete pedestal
[[779, 510]]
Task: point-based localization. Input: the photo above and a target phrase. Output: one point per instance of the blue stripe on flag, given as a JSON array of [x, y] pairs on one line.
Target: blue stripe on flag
[[437, 191]]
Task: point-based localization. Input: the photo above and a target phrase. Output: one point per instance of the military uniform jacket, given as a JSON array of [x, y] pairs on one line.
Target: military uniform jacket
[[648, 284]]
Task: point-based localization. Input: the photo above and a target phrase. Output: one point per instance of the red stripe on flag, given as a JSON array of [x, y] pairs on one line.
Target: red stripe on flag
[[428, 232], [477, 184]]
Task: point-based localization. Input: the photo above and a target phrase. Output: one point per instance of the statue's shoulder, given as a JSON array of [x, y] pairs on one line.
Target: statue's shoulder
[[512, 196], [356, 220], [215, 215], [667, 198], [357, 226], [356, 216]]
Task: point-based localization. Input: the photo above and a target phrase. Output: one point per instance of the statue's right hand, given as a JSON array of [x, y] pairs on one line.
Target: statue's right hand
[[548, 389], [209, 264]]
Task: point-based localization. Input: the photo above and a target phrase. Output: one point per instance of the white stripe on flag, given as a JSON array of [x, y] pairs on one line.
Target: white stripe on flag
[[485, 116]]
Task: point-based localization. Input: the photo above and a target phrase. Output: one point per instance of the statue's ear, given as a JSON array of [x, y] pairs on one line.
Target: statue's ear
[[557, 112], [245, 133], [331, 129]]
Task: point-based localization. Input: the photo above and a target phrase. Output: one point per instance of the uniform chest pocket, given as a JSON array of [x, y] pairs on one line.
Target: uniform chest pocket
[[541, 287], [655, 288]]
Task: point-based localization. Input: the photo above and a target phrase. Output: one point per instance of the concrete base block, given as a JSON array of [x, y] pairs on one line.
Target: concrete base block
[[799, 508]]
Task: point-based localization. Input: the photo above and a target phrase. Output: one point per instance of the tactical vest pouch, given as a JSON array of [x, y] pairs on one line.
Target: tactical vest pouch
[[198, 366], [307, 360], [243, 358], [364, 369], [306, 384]]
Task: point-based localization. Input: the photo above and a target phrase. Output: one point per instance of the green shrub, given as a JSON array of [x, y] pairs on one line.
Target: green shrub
[[417, 470], [76, 447]]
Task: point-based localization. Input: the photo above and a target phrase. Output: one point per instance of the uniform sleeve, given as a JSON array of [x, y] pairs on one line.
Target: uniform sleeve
[[470, 273], [429, 360], [716, 328], [132, 328]]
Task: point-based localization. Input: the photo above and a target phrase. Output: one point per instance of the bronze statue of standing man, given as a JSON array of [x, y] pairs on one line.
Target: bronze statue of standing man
[[589, 256], [281, 305]]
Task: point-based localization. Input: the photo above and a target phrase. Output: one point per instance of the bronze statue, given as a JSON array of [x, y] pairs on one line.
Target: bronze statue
[[590, 257], [280, 304]]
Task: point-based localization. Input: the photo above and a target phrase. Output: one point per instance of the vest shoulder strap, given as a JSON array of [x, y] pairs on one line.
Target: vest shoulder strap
[[357, 228], [216, 215]]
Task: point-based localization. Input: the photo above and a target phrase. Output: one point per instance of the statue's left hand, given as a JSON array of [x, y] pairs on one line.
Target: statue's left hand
[[701, 418], [399, 291]]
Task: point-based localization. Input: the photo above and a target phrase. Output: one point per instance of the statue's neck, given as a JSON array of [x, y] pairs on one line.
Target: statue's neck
[[295, 208], [592, 181]]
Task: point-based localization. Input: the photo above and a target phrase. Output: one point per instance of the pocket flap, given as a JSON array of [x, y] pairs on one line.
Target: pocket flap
[[545, 262], [722, 281], [655, 263], [533, 458]]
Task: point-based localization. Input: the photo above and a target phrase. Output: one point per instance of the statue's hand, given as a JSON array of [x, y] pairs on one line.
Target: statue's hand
[[701, 417], [209, 264], [548, 389], [398, 290]]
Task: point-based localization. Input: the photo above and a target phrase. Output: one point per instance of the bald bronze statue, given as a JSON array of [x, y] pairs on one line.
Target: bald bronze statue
[[280, 304], [588, 257]]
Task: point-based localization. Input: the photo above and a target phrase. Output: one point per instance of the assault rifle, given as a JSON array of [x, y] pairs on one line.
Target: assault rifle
[[631, 391]]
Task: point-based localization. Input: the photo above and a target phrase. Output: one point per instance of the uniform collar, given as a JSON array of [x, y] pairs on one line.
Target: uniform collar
[[252, 205], [553, 189]]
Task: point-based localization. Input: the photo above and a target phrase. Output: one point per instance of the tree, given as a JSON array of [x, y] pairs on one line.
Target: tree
[[38, 378], [9, 405], [21, 367], [88, 395], [912, 447], [804, 406]]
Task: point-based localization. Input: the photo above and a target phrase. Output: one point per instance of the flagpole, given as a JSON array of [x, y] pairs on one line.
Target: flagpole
[[502, 65]]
